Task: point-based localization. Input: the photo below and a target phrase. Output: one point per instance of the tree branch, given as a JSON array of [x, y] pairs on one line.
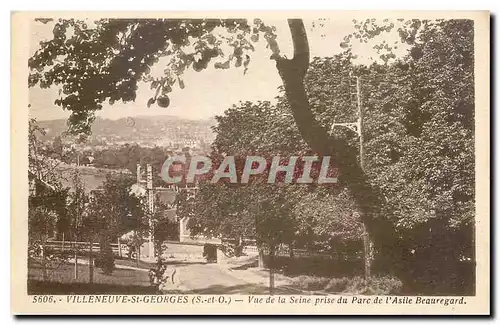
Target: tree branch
[[292, 72], [300, 43]]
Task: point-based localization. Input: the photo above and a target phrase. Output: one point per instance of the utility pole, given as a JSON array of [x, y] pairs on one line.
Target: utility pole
[[367, 243], [360, 124], [358, 128]]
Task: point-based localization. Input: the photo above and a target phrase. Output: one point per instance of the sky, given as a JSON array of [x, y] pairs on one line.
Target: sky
[[211, 91]]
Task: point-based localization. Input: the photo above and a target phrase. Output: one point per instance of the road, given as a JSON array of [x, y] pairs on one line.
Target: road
[[200, 278]]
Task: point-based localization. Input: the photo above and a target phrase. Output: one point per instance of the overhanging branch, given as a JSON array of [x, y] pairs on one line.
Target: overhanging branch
[[300, 43]]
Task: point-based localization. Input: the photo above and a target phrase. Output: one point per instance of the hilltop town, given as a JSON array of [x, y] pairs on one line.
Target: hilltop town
[[111, 138]]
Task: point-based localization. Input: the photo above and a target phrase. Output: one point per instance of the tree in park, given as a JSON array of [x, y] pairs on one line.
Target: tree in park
[[420, 150], [41, 167], [113, 211], [232, 210], [47, 215], [47, 201], [273, 214], [419, 143], [78, 201], [114, 55]]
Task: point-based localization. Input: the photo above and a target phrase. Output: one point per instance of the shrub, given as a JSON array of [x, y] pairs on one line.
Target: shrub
[[337, 284], [105, 260], [307, 282], [357, 285], [386, 285]]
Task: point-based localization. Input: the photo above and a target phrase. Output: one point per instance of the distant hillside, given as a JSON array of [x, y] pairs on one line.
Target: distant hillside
[[140, 129]]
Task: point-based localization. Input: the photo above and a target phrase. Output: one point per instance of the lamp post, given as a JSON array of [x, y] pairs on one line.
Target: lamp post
[[358, 128]]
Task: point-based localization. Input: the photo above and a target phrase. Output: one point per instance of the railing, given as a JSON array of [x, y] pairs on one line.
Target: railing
[[61, 246], [122, 251], [285, 251]]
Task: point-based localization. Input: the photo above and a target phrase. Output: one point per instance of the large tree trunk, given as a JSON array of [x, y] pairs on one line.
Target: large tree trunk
[[91, 261], [293, 72], [76, 263], [260, 263]]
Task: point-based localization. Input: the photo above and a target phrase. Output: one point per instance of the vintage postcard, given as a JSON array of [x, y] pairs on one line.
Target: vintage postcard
[[332, 163]]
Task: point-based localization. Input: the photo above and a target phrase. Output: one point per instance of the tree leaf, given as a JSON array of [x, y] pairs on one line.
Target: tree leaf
[[151, 101]]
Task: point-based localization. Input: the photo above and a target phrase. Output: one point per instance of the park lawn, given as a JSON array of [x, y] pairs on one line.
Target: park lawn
[[60, 280]]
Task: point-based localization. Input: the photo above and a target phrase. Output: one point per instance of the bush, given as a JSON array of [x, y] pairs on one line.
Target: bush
[[337, 284], [307, 282], [105, 260], [386, 285]]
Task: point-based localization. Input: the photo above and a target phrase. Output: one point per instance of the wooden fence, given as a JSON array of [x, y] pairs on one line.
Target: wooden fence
[[119, 250]]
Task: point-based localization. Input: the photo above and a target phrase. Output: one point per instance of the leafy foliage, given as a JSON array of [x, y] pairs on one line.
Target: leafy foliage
[[47, 203], [78, 202], [386, 285], [41, 222], [113, 210], [105, 60], [105, 260], [42, 168], [419, 146], [271, 213]]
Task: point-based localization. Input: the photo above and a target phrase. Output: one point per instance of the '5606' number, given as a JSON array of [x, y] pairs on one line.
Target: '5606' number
[[43, 299]]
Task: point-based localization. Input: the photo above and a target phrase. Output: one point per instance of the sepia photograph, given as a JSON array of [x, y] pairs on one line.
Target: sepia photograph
[[195, 159]]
